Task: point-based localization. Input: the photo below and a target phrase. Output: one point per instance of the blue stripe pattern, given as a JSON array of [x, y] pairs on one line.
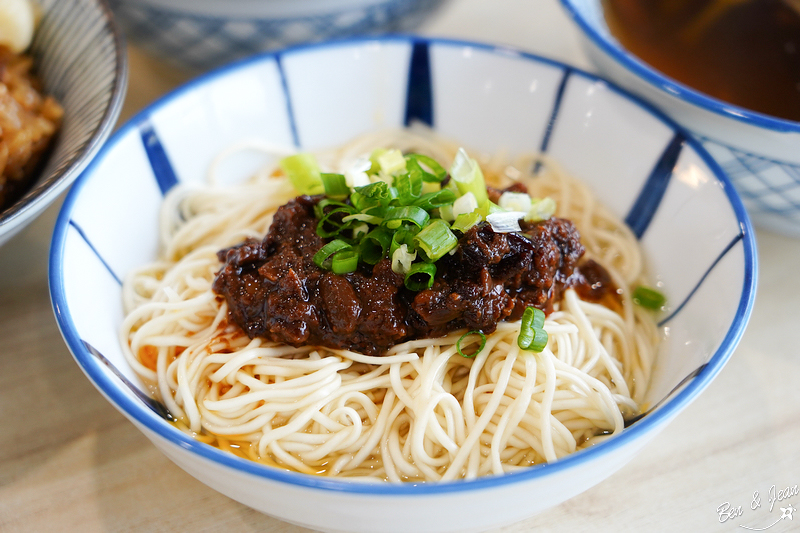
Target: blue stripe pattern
[[643, 210], [419, 98], [159, 161], [91, 246], [554, 113], [724, 252], [288, 96]]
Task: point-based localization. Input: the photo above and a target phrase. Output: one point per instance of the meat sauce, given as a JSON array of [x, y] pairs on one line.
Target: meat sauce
[[275, 291]]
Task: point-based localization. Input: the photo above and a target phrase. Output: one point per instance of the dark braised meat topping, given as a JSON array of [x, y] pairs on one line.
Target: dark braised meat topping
[[275, 291]]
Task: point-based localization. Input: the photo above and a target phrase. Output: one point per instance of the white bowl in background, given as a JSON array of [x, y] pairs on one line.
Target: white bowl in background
[[760, 153], [644, 167], [80, 57], [201, 34]]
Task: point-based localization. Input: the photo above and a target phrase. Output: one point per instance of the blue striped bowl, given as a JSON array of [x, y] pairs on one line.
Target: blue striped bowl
[[760, 153], [201, 34], [680, 205], [80, 57]]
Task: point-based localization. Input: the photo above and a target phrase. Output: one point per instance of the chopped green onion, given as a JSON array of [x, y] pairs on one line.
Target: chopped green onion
[[436, 239], [420, 276], [467, 175], [303, 171], [539, 341], [378, 189], [648, 298], [515, 201], [467, 203], [437, 172], [319, 208], [336, 226], [324, 257], [362, 203], [364, 217], [465, 221], [532, 335], [489, 208], [392, 162], [404, 235], [409, 187], [356, 175], [335, 185], [505, 222], [395, 216], [374, 245], [446, 212], [359, 230], [541, 209], [344, 262], [436, 199], [402, 259], [468, 334]]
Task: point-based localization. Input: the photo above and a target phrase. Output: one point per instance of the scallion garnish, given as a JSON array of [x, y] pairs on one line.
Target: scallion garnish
[[335, 185], [303, 171], [505, 222], [467, 335], [330, 225], [465, 221], [394, 206], [436, 239], [532, 335], [435, 172], [402, 259], [324, 257], [648, 298], [541, 209], [374, 245], [420, 276], [397, 215], [344, 262], [468, 177], [392, 162]]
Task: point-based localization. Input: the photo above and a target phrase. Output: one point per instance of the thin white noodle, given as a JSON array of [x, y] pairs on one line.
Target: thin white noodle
[[420, 412]]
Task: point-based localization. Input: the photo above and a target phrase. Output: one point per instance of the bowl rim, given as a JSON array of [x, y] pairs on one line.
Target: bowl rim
[[44, 192], [141, 415], [671, 86]]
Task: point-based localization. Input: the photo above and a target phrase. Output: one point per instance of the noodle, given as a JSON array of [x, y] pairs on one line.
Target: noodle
[[421, 412]]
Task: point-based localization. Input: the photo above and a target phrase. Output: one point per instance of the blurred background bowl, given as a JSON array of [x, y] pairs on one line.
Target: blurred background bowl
[[80, 57], [760, 153], [694, 230], [201, 34]]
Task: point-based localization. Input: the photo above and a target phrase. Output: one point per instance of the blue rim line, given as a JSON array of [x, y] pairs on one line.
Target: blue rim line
[[152, 422]]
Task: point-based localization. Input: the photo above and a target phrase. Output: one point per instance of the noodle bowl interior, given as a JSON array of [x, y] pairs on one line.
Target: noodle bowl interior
[[420, 411]]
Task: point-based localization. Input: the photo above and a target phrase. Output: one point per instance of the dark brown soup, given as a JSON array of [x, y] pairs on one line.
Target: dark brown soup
[[746, 52]]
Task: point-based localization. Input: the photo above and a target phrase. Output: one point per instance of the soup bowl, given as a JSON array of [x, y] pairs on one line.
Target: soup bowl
[[689, 220], [760, 153], [79, 55]]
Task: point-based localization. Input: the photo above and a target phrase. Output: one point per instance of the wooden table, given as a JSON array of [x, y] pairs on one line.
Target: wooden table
[[70, 462]]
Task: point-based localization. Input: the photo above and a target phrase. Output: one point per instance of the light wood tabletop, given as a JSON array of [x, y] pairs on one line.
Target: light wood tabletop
[[70, 462]]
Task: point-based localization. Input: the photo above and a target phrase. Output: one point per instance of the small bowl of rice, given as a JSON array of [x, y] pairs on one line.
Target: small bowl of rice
[[62, 80], [471, 287]]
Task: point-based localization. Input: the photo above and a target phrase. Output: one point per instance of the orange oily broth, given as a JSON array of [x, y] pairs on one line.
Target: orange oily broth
[[746, 52]]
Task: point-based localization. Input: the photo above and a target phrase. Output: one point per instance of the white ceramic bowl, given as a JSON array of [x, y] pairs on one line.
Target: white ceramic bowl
[[760, 153], [644, 167], [80, 58], [201, 34]]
